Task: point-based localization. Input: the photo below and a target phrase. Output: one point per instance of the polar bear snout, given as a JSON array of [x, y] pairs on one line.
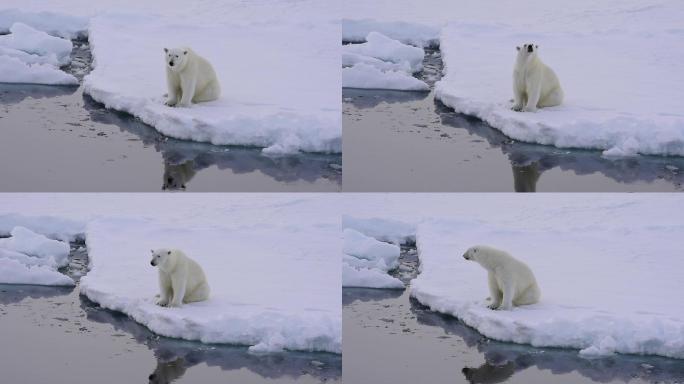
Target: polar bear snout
[[170, 63], [530, 48]]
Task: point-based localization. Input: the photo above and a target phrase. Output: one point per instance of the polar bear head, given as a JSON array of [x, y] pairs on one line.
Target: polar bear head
[[482, 254], [527, 50], [176, 58], [163, 258]]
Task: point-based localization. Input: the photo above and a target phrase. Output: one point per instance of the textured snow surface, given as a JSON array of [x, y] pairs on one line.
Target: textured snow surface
[[607, 265], [366, 261], [272, 262], [382, 63], [27, 257], [28, 55]]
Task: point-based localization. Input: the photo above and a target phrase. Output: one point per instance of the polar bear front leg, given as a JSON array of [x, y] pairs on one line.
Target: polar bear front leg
[[518, 96], [179, 282], [164, 289], [494, 292], [172, 85], [533, 93], [188, 84], [508, 288]]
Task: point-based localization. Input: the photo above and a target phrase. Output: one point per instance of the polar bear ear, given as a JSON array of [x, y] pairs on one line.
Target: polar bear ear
[[166, 50], [185, 52], [151, 250], [168, 252], [517, 48]]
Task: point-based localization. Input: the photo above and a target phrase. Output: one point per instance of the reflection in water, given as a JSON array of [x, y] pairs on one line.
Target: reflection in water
[[530, 161], [169, 371], [364, 98], [16, 93], [350, 295], [175, 356], [503, 360], [10, 293], [183, 159]]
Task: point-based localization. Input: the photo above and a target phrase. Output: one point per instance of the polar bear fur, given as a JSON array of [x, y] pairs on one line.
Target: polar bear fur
[[534, 84], [511, 282], [181, 279], [190, 78]]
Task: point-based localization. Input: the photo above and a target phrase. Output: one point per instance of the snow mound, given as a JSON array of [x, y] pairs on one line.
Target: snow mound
[[30, 258], [280, 82], [14, 70], [383, 48], [622, 90], [382, 63], [28, 55], [56, 24], [605, 288], [382, 229], [360, 246], [368, 278], [371, 77], [407, 32], [261, 278], [366, 261], [53, 227], [32, 41]]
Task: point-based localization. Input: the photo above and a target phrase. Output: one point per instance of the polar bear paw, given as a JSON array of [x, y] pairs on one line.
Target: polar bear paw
[[162, 303]]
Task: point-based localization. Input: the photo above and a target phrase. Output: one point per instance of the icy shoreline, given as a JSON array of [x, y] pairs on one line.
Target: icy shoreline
[[265, 103], [261, 261], [598, 311]]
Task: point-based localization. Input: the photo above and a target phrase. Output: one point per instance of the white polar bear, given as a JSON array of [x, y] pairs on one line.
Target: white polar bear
[[511, 282], [181, 279], [190, 78], [534, 84]]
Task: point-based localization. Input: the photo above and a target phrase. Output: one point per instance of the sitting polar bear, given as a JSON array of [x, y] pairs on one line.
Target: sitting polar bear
[[190, 78], [534, 84], [181, 279], [511, 282]]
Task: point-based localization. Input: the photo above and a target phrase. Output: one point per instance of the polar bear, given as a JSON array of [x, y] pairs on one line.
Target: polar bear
[[190, 78], [511, 282], [534, 84], [181, 279]]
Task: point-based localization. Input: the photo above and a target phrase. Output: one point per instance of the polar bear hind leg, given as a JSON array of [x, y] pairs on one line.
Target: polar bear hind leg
[[200, 293], [211, 92], [553, 99], [531, 295]]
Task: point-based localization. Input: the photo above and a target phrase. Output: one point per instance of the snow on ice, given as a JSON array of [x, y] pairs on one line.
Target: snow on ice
[[607, 266], [619, 64], [382, 63], [409, 33], [27, 257], [271, 262], [366, 261], [278, 65], [28, 55]]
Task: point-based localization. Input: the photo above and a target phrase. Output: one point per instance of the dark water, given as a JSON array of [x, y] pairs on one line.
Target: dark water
[[398, 141], [52, 334], [55, 138], [391, 338]]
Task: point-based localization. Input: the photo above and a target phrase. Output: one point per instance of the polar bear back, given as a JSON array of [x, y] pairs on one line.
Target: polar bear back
[[195, 276], [204, 71]]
